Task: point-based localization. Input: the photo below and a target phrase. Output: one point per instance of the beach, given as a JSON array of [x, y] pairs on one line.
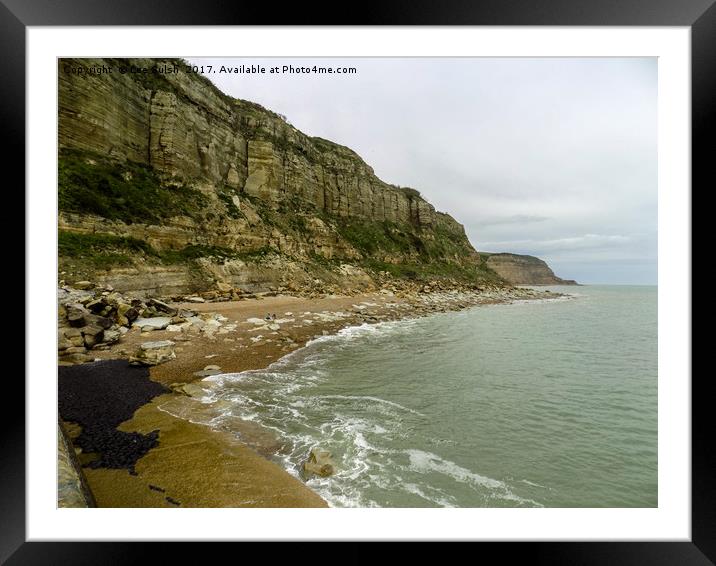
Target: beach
[[193, 465]]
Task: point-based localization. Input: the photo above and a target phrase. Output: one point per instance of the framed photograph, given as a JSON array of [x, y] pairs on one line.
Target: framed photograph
[[429, 275]]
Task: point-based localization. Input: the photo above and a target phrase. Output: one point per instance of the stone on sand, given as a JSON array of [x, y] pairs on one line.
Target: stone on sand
[[154, 323], [153, 353]]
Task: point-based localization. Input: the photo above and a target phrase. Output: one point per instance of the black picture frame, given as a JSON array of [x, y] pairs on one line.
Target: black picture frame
[[699, 15]]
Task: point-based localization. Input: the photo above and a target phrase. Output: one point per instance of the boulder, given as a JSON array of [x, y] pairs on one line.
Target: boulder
[[75, 350], [206, 372], [194, 300], [75, 338], [161, 306], [127, 310], [111, 336], [153, 353], [62, 342], [155, 323], [74, 358], [96, 306], [101, 321], [319, 463], [93, 335], [83, 285], [76, 314], [223, 287], [190, 389]]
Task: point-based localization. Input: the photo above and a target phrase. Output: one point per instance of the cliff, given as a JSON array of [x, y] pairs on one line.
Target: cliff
[[167, 185], [523, 269]]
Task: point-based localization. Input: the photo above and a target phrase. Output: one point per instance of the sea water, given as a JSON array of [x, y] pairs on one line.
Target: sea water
[[530, 404]]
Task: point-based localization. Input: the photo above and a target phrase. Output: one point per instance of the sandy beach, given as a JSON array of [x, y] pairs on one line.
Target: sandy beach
[[193, 465]]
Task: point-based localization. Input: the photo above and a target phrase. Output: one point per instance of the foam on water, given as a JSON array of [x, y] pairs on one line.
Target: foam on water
[[374, 399], [431, 411]]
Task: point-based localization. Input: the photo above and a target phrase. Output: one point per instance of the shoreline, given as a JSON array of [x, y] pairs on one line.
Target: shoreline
[[203, 467]]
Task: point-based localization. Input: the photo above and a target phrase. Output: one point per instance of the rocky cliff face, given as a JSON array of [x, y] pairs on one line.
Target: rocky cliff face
[[184, 127], [167, 185], [523, 270]]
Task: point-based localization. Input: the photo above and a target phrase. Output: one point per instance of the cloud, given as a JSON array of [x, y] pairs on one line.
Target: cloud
[[587, 241], [520, 219]]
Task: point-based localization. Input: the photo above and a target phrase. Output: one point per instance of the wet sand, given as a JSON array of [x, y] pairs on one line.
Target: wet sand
[[196, 466]]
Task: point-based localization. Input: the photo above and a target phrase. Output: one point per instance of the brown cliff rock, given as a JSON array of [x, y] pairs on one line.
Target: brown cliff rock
[[524, 270]]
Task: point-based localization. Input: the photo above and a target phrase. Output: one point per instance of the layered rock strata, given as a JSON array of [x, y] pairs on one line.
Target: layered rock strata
[[524, 270]]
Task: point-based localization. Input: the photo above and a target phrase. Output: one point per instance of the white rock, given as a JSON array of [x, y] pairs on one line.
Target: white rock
[[153, 353], [196, 321], [155, 323]]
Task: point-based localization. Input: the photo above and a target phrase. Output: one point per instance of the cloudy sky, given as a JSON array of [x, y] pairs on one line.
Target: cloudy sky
[[549, 157]]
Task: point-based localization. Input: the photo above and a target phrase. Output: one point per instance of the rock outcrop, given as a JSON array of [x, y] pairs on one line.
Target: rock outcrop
[[169, 186], [523, 270]]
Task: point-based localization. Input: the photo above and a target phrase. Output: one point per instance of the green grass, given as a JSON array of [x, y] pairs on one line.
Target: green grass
[[225, 196], [374, 237], [130, 192], [435, 253], [103, 251]]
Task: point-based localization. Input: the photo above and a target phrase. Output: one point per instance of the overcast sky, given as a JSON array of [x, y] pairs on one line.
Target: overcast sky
[[549, 157]]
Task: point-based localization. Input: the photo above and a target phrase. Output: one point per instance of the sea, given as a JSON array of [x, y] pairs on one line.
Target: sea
[[540, 403]]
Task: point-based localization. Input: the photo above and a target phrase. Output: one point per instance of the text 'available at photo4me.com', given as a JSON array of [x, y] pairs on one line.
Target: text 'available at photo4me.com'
[[170, 69]]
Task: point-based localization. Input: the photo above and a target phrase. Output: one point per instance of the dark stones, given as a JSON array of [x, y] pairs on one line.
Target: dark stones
[[93, 335], [76, 315], [99, 396], [101, 321], [161, 306]]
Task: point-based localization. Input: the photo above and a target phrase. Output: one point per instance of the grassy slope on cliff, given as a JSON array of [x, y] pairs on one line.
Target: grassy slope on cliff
[[135, 193], [130, 192]]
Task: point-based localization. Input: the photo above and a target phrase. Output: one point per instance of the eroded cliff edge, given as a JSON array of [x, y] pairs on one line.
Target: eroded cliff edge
[[523, 269]]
